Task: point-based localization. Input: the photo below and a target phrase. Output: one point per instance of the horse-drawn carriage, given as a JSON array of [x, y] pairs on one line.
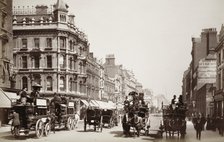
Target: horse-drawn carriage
[[93, 117], [63, 115], [32, 117], [136, 115], [174, 120], [109, 117]]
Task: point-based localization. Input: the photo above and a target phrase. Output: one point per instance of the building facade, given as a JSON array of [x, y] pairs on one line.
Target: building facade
[[204, 100], [130, 82], [114, 72], [7, 77], [49, 50], [93, 77], [219, 93], [202, 48], [6, 58], [109, 89]]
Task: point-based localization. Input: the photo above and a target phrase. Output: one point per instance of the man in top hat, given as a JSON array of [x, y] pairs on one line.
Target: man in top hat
[[35, 93]]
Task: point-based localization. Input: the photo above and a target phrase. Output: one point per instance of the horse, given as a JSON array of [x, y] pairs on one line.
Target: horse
[[132, 121]]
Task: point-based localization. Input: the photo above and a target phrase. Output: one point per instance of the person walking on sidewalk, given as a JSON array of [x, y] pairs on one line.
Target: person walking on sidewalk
[[198, 126]]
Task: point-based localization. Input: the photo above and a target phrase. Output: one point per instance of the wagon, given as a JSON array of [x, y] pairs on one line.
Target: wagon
[[109, 118], [174, 120], [64, 118], [32, 118], [93, 117]]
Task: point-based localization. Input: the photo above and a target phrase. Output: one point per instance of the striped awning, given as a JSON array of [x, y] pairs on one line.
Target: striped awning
[[93, 103], [5, 101], [85, 102]]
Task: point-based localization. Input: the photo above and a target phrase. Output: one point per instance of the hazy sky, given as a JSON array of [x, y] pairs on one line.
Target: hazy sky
[[150, 37]]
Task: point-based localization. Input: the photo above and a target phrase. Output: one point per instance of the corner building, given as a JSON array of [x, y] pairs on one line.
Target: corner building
[[50, 50]]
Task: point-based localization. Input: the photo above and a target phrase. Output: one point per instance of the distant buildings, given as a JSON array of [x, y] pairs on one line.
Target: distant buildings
[[158, 100], [93, 77]]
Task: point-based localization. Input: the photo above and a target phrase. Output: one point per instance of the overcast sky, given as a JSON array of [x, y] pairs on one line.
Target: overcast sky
[[150, 37]]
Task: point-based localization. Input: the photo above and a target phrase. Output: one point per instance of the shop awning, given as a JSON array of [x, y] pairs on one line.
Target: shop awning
[[93, 103], [85, 102], [5, 101], [12, 96], [102, 105]]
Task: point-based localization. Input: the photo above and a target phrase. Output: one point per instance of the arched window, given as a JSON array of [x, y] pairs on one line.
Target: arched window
[[49, 83], [62, 61], [70, 63], [80, 86], [71, 45], [80, 67], [74, 65], [24, 82], [70, 84], [75, 86], [62, 83], [37, 78]]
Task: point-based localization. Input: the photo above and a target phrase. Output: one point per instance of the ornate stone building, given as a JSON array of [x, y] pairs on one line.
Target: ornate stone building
[[93, 77], [50, 50], [6, 58], [109, 89]]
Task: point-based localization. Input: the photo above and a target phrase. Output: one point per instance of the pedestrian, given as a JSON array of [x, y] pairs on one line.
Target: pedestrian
[[221, 126], [198, 127], [203, 120], [208, 125], [15, 122]]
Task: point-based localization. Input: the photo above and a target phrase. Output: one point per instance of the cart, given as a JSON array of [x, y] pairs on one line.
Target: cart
[[94, 117]]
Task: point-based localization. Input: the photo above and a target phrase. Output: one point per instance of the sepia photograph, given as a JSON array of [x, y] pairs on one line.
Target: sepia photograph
[[111, 70]]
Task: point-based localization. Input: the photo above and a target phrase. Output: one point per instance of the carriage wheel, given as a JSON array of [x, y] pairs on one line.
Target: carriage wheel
[[146, 132], [47, 129], [69, 124], [85, 124], [39, 128]]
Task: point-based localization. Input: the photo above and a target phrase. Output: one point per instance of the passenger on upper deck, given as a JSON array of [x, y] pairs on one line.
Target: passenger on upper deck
[[126, 104], [173, 103], [23, 95], [180, 101], [35, 93]]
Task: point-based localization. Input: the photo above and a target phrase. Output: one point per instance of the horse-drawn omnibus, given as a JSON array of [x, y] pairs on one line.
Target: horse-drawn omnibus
[[174, 120], [32, 117], [136, 115]]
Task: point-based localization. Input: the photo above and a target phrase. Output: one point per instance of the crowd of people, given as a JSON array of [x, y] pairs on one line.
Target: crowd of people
[[207, 123]]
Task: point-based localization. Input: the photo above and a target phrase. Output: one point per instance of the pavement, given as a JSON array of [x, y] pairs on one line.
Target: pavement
[[5, 128]]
